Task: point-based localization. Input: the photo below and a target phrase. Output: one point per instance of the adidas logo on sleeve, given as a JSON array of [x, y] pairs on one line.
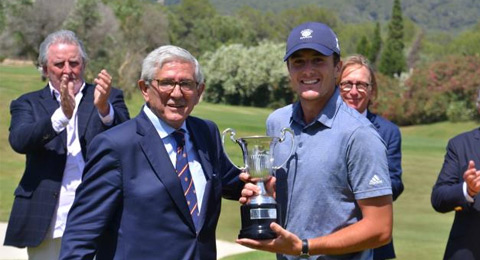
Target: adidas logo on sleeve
[[375, 181]]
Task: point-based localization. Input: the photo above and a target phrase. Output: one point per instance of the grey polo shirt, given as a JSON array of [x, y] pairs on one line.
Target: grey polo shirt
[[339, 158]]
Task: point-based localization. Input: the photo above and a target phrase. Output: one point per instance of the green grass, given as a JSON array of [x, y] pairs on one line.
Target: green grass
[[419, 231]]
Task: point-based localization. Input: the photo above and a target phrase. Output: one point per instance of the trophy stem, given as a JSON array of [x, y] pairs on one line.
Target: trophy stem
[[263, 197], [263, 190]]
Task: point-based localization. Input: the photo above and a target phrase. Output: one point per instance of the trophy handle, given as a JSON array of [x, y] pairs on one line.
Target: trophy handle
[[232, 137], [292, 148]]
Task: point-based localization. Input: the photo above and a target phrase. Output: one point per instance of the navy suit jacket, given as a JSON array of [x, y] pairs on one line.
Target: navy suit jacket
[[393, 141], [447, 195], [31, 133], [130, 204]]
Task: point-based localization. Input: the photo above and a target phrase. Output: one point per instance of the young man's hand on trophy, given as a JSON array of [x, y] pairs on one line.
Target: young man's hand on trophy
[[251, 189]]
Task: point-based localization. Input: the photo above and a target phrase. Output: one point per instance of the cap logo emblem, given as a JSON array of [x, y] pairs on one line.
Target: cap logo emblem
[[306, 34]]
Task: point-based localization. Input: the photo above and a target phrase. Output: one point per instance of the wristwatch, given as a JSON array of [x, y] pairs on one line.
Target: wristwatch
[[304, 253]]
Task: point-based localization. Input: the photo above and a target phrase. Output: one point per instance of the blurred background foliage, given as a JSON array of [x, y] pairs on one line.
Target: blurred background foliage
[[426, 52]]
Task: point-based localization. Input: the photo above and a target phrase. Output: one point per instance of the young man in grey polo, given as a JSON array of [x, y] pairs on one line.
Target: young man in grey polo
[[335, 189]]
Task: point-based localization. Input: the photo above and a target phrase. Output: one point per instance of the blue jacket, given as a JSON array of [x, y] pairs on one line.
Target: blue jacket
[[390, 134], [32, 134], [447, 196], [131, 205]]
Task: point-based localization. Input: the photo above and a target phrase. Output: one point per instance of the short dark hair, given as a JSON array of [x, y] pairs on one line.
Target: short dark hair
[[336, 59]]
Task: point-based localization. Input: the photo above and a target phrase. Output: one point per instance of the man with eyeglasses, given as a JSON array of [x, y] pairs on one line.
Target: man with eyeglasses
[[458, 189], [335, 190], [358, 87], [152, 186]]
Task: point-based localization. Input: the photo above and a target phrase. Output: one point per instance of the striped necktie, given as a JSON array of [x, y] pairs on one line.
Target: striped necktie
[[185, 176]]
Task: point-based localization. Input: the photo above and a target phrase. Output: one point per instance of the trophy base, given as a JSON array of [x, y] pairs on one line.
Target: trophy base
[[256, 220]]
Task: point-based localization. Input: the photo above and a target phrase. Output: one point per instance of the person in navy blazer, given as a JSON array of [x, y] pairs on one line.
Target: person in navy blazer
[[358, 86], [39, 125], [131, 204], [456, 189]]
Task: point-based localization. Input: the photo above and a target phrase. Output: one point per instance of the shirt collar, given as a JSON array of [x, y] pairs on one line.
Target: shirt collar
[[326, 116], [162, 128]]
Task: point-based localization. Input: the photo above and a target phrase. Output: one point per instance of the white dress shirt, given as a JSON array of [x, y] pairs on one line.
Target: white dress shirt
[[164, 131], [72, 174]]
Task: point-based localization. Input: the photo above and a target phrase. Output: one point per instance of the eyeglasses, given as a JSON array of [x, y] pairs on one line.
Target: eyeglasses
[[168, 85], [361, 86]]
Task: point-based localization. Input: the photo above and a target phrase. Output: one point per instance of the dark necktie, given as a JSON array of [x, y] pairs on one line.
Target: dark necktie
[[185, 176]]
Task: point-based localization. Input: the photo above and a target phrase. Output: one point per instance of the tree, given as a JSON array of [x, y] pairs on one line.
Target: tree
[[290, 18], [376, 44], [117, 34], [94, 23], [84, 18], [392, 61], [251, 76], [363, 46], [264, 24], [3, 10], [27, 23], [210, 33], [182, 20], [142, 28], [467, 42], [440, 91]]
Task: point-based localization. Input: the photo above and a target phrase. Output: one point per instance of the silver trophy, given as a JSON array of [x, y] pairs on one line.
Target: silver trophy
[[258, 158]]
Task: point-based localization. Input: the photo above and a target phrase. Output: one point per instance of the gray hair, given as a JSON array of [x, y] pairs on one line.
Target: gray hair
[[168, 53], [62, 36]]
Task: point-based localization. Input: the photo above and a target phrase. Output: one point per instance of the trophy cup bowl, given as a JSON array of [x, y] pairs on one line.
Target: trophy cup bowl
[[258, 159]]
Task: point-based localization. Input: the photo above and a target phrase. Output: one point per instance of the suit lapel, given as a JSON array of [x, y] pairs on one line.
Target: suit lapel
[[50, 103], [48, 100], [154, 150]]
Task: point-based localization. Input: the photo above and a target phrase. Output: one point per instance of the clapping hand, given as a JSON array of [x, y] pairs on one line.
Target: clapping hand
[[472, 178], [67, 95], [102, 92]]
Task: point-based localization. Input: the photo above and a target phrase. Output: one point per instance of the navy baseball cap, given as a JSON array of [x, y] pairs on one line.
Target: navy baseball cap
[[312, 35]]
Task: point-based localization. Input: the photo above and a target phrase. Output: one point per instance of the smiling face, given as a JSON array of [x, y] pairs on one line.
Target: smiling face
[[64, 59], [313, 75], [354, 98], [175, 105]]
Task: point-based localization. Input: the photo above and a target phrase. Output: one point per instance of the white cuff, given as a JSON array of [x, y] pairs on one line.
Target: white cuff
[[59, 120], [465, 193], [108, 119]]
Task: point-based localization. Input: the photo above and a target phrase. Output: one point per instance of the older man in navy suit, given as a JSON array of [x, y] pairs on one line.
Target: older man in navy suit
[[358, 86], [53, 127], [457, 189], [152, 187]]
